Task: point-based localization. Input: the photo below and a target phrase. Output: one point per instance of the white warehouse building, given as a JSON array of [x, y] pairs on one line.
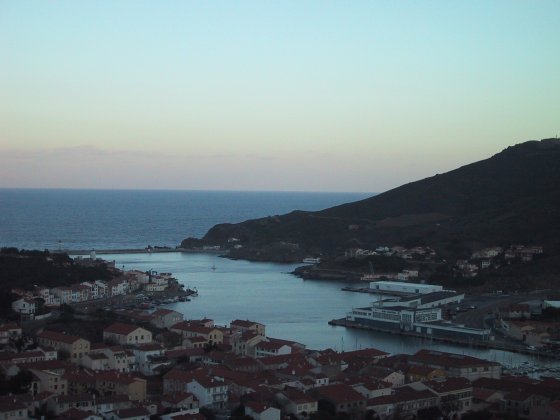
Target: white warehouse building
[[404, 287]]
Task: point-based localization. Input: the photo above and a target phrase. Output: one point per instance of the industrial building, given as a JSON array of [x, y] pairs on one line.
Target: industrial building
[[400, 287]]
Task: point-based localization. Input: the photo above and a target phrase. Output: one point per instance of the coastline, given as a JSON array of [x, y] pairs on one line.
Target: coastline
[[138, 251]]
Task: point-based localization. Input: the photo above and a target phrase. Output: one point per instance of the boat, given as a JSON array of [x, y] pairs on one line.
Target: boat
[[312, 260]]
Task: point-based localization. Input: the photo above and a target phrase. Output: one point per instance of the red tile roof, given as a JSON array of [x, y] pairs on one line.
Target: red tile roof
[[120, 328], [57, 336], [339, 393]]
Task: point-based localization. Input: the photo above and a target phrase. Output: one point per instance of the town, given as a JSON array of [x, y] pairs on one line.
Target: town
[[102, 350]]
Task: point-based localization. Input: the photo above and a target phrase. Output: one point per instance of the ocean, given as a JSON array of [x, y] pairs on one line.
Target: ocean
[[128, 219]]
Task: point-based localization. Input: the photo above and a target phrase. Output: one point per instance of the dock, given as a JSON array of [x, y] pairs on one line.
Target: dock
[[489, 344]]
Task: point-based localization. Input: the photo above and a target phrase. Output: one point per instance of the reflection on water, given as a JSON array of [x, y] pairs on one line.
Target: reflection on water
[[291, 308]]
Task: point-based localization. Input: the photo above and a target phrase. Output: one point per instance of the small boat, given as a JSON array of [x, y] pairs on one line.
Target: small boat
[[312, 260]]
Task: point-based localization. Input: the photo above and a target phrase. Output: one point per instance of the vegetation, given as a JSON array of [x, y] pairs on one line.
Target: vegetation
[[26, 269]]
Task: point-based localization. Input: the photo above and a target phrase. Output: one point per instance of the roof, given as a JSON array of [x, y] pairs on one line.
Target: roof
[[244, 323], [164, 312], [449, 385], [60, 337], [339, 393], [452, 360], [258, 407], [297, 396], [177, 397], [269, 346], [120, 328], [75, 414], [149, 347], [132, 412], [113, 376], [74, 398]]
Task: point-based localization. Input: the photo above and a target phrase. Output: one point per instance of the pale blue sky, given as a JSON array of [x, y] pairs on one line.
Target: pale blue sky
[[258, 95]]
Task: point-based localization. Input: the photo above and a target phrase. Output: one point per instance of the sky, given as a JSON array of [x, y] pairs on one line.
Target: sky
[[358, 96]]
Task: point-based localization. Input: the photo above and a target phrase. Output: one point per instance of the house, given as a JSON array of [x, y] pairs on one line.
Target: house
[[9, 332], [150, 358], [296, 402], [25, 306], [75, 347], [243, 326], [549, 411], [119, 359], [245, 343], [198, 342], [258, 411], [116, 383], [271, 348], [50, 381], [371, 387], [75, 414], [179, 400], [12, 408], [210, 391], [405, 402], [126, 334], [188, 329], [133, 413], [96, 361], [117, 287], [165, 318], [50, 298], [343, 398], [62, 403], [455, 394], [112, 403], [457, 364]]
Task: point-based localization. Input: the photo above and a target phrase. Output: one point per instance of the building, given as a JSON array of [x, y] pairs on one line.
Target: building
[[243, 326], [8, 332], [114, 383], [457, 365], [389, 287], [425, 322], [75, 347], [192, 329], [25, 307], [165, 318], [258, 411], [126, 334], [210, 392], [296, 402]]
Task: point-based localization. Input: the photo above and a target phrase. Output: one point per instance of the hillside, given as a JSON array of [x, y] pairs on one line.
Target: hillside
[[512, 197]]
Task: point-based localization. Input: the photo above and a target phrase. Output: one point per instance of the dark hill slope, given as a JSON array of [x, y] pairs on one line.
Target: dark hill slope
[[512, 197]]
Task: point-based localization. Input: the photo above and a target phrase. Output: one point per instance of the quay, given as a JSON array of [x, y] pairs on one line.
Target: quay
[[489, 344], [378, 292]]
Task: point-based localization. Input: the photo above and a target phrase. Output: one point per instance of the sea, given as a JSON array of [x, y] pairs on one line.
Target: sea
[[290, 307]]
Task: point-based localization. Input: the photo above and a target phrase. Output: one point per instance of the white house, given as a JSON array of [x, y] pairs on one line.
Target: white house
[[210, 392], [259, 411], [24, 306], [149, 358]]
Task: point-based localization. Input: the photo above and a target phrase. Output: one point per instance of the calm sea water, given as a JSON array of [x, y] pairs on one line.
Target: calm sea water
[[290, 307], [124, 219]]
